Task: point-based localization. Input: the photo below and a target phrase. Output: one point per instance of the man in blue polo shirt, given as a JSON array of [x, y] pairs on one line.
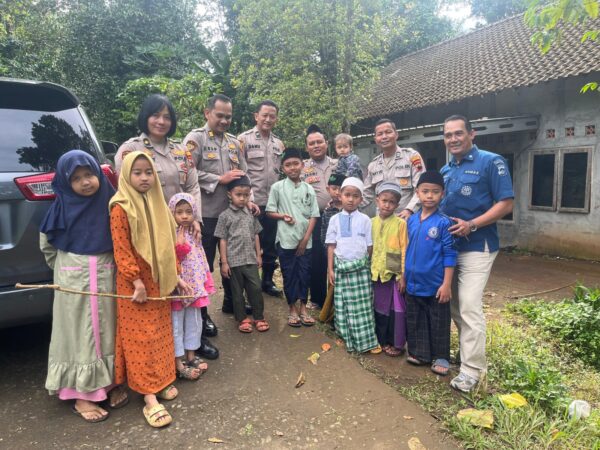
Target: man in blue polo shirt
[[478, 194]]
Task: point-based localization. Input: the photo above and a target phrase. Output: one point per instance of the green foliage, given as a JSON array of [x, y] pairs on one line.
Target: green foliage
[[188, 96], [495, 10], [576, 322], [545, 17], [317, 59], [518, 363]]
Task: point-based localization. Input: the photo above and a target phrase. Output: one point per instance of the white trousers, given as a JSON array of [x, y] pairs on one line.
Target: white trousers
[[187, 329], [470, 277]]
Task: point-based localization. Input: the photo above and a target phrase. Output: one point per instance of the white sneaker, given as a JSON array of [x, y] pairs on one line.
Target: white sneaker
[[464, 383]]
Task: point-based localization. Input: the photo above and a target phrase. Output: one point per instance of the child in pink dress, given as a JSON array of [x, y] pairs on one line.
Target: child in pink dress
[[186, 314]]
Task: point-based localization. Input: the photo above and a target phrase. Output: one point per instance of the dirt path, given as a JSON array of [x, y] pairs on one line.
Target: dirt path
[[247, 399]]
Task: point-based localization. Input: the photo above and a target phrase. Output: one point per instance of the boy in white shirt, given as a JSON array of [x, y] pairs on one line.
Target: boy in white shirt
[[349, 246]]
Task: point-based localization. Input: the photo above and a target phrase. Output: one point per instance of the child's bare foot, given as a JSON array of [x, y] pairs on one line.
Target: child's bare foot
[[185, 371], [89, 411]]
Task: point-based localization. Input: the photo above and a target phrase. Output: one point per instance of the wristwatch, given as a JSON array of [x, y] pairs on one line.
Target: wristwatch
[[472, 226]]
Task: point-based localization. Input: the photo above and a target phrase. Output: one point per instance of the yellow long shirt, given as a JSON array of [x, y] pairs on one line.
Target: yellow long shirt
[[390, 240]]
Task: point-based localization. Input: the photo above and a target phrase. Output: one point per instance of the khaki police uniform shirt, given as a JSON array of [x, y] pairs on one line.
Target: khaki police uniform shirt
[[174, 166], [317, 175], [405, 169], [214, 156], [263, 157]]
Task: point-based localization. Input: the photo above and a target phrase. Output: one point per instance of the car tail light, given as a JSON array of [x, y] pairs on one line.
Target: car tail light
[[36, 187], [110, 174], [39, 187]]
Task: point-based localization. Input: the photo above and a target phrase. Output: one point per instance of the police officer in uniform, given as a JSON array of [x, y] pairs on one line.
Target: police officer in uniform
[[399, 165], [218, 159], [262, 150], [175, 168], [316, 172]]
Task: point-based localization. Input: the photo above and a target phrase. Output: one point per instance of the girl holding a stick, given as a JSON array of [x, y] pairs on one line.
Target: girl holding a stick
[[143, 233]]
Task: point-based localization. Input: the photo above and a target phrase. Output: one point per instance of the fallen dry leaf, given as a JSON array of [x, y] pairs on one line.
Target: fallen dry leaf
[[325, 347], [514, 400], [408, 417], [314, 358], [301, 380], [339, 342], [294, 335], [278, 433], [414, 443], [477, 417], [215, 440]]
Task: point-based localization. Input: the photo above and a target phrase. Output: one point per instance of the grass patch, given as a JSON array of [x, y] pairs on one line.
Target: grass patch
[[525, 358]]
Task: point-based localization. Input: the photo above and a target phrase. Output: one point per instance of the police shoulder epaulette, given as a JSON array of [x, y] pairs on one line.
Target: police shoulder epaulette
[[175, 141], [133, 139], [199, 130], [232, 136], [247, 132], [275, 136]]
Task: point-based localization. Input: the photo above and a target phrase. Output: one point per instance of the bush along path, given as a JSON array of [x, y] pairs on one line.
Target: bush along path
[[541, 357]]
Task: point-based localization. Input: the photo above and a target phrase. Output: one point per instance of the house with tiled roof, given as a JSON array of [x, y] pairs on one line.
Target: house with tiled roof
[[523, 105]]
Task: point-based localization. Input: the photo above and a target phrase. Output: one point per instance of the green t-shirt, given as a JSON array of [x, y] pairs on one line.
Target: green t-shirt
[[300, 202]]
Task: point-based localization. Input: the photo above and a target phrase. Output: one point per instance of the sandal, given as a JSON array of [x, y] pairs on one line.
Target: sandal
[[440, 366], [187, 373], [155, 414], [414, 361], [294, 321], [307, 320], [261, 325], [392, 351], [375, 351], [115, 393], [197, 362], [102, 418], [245, 326], [163, 394]]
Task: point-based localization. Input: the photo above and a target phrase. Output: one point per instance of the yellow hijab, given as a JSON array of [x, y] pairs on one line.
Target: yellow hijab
[[151, 223]]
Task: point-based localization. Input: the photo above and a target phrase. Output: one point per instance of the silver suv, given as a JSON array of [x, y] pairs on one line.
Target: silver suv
[[38, 123]]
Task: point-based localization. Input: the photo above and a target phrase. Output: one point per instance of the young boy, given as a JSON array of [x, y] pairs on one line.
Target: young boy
[[349, 246], [387, 266], [239, 248], [348, 163], [430, 262], [293, 203], [334, 185]]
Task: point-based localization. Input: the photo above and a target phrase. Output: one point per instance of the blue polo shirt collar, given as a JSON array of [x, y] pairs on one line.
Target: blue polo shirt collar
[[468, 157]]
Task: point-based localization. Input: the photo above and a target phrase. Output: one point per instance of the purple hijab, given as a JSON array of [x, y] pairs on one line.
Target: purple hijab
[[75, 223]]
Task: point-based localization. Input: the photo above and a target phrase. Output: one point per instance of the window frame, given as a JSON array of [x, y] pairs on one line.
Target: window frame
[[532, 156], [559, 178], [588, 184]]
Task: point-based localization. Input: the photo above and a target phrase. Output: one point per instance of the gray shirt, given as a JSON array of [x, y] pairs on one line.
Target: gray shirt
[[213, 156], [239, 228], [263, 157]]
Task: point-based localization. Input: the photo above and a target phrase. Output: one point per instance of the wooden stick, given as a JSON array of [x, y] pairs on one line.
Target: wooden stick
[[533, 294], [56, 287]]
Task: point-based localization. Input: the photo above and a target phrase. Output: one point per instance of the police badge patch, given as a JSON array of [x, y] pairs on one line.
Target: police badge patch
[[466, 190], [433, 232], [501, 167]]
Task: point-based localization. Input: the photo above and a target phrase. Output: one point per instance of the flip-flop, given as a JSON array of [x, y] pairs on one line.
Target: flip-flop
[[124, 401], [440, 362], [294, 321], [305, 322], [80, 414], [392, 351], [414, 361]]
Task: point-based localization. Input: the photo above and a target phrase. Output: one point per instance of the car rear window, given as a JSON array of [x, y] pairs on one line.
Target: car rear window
[[32, 141]]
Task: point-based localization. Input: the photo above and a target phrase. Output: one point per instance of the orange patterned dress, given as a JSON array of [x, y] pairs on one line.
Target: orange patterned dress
[[144, 350]]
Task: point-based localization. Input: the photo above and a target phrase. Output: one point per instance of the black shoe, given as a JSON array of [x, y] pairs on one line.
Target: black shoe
[[209, 328], [207, 350], [271, 290], [227, 307]]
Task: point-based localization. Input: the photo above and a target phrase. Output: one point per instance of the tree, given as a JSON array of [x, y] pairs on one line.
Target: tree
[[494, 10], [547, 18], [318, 59]]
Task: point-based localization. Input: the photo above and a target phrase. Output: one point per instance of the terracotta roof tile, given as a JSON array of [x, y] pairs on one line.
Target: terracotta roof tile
[[490, 59]]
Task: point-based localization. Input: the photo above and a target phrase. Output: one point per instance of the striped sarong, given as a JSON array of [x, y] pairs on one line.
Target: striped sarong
[[354, 320]]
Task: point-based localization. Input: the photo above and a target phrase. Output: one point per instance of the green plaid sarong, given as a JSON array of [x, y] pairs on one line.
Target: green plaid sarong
[[354, 319]]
